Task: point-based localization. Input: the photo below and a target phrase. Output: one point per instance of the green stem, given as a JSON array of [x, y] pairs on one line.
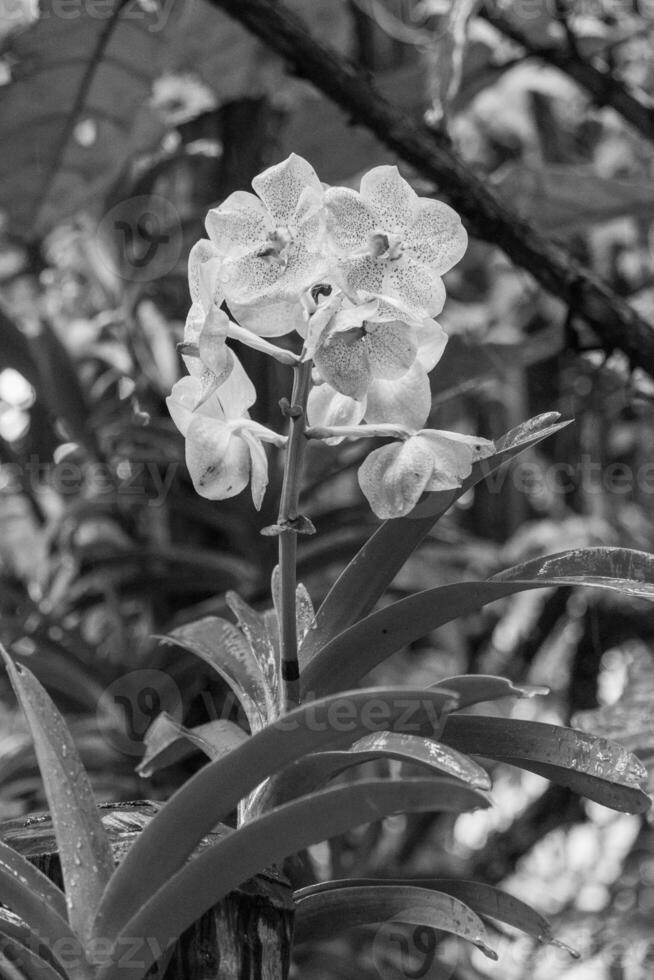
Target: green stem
[[288, 512]]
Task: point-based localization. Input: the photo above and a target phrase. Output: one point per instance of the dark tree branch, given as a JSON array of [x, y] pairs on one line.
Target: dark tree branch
[[603, 87], [616, 323]]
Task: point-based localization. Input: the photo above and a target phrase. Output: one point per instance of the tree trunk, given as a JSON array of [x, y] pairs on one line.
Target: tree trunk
[[247, 936]]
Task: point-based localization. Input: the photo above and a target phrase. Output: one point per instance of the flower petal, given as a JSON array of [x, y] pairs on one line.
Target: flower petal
[[237, 393], [390, 197], [204, 267], [391, 349], [431, 340], [270, 318], [342, 360], [280, 187], [238, 225], [182, 400], [419, 289], [437, 238], [329, 407], [393, 477], [212, 348], [350, 222], [217, 460], [453, 454], [258, 468], [405, 401]]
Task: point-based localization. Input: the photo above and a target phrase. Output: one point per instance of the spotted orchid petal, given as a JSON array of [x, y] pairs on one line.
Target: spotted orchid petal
[[217, 459], [393, 477], [392, 243], [270, 246], [437, 237], [454, 453], [281, 187], [239, 222], [391, 199], [405, 401]]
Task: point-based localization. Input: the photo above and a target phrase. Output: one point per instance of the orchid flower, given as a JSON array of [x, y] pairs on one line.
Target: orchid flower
[[270, 246], [374, 364], [224, 450], [388, 241], [393, 477]]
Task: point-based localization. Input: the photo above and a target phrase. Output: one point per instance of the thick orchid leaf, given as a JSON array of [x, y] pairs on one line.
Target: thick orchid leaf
[[84, 848], [261, 632], [214, 791], [323, 914], [167, 742], [596, 768], [630, 720], [374, 567], [316, 770], [477, 688], [351, 654], [222, 646], [28, 964], [481, 898], [271, 838], [494, 903], [619, 569], [33, 897]]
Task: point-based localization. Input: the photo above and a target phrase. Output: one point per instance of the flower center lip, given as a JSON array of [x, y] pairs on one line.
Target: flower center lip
[[385, 246], [275, 251]]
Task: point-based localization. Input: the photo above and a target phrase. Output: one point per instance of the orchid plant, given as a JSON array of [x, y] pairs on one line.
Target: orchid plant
[[358, 276]]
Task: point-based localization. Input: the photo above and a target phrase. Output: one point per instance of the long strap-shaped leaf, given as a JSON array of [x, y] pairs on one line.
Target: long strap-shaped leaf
[[205, 880], [31, 966], [374, 567], [317, 769], [323, 914], [477, 688], [39, 903], [84, 848], [351, 654], [481, 898], [224, 647], [594, 767], [213, 792]]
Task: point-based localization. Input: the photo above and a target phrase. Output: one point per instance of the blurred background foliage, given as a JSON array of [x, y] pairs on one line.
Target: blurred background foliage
[[120, 128]]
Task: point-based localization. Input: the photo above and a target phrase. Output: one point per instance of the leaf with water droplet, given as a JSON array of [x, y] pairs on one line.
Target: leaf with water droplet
[[596, 768], [76, 822]]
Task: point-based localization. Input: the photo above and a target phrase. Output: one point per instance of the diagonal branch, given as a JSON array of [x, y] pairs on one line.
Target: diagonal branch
[[614, 320], [603, 87]]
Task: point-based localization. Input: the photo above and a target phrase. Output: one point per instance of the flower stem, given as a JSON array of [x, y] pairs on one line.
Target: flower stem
[[288, 512]]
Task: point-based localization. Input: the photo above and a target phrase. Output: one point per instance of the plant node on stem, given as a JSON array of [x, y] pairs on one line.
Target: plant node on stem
[[288, 513]]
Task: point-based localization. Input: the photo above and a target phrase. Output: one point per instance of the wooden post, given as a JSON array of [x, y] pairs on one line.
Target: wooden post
[[247, 936]]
